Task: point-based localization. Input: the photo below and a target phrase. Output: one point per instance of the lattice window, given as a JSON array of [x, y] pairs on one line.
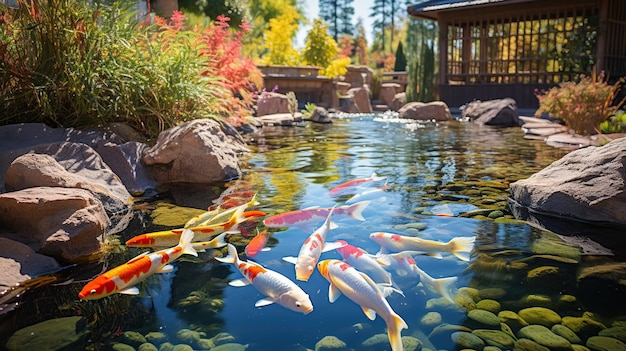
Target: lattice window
[[543, 48]]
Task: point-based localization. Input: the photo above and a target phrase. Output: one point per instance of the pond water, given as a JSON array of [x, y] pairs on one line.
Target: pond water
[[445, 180]]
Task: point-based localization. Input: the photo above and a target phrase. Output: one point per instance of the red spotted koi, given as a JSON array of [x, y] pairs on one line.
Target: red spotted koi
[[351, 185], [257, 244], [276, 287], [361, 289], [313, 215], [122, 279]]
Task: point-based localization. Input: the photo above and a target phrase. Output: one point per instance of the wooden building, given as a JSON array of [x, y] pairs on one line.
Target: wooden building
[[492, 49]]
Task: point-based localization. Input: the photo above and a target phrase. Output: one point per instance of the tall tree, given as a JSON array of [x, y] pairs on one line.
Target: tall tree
[[386, 15], [338, 14], [320, 49], [421, 66]]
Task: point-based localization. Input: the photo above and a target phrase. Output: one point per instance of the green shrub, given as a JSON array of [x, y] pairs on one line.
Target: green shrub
[[72, 63], [614, 124], [584, 105]]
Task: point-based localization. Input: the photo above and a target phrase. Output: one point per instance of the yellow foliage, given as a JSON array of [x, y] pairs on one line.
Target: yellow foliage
[[337, 67], [279, 39]]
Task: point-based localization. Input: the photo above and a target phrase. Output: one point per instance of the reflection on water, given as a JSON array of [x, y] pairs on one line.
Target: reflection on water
[[437, 173]]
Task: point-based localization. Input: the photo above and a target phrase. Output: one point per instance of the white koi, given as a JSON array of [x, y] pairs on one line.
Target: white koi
[[361, 289], [460, 247], [276, 287]]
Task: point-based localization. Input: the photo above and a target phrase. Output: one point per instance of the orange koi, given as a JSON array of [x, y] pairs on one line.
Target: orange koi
[[276, 287], [460, 247], [122, 279], [257, 244]]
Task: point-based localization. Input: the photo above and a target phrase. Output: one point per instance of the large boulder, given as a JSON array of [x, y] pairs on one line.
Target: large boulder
[[388, 92], [587, 184], [499, 112], [19, 262], [436, 110], [76, 166], [270, 103], [361, 98], [63, 223], [201, 151]]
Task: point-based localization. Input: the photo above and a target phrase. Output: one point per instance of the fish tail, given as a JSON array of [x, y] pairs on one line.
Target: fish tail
[[461, 247], [356, 211], [231, 257], [220, 240], [376, 177], [394, 331], [185, 242], [446, 287]]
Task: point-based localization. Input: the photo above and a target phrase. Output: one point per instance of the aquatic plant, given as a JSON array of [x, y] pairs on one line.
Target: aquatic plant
[[582, 105], [309, 107]]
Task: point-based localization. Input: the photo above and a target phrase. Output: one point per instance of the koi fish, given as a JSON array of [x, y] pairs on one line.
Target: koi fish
[[364, 262], [257, 244], [312, 249], [361, 289], [368, 194], [202, 233], [215, 243], [122, 279], [460, 247], [404, 264], [217, 216], [276, 287], [351, 185], [310, 215]]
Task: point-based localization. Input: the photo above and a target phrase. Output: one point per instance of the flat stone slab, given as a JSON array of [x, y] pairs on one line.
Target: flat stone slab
[[280, 119], [567, 140]]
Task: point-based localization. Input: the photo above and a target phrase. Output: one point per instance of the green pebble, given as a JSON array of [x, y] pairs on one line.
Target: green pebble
[[524, 344], [496, 214], [122, 347], [182, 347], [540, 315], [230, 347], [567, 333], [495, 338], [490, 305], [618, 333], [467, 340], [329, 343], [147, 347], [605, 343], [484, 319], [544, 336]]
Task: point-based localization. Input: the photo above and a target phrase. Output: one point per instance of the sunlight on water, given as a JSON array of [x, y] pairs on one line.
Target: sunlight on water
[[435, 172]]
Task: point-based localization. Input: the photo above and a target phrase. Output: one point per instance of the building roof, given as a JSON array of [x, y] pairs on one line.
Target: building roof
[[430, 8]]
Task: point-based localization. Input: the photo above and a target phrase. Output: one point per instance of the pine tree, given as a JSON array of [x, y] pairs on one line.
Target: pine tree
[[421, 66], [338, 14], [400, 65]]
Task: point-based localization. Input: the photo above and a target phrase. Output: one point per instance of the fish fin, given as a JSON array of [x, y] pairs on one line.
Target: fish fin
[[395, 324], [231, 257], [266, 249], [376, 177], [166, 269], [220, 240], [290, 259], [383, 260], [263, 302], [332, 246], [370, 313], [462, 247], [332, 225], [133, 290], [239, 282], [185, 242], [446, 287], [387, 290], [333, 293], [356, 210], [434, 255]]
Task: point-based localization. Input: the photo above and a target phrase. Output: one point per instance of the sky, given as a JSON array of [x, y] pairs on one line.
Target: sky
[[361, 9]]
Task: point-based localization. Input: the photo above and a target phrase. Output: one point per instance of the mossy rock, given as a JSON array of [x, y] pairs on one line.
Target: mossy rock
[[431, 320], [567, 333], [170, 215], [512, 319], [119, 346], [133, 338], [554, 246], [410, 343], [490, 305], [182, 347], [605, 343], [584, 327], [330, 343], [482, 319], [618, 333], [528, 345], [147, 347], [156, 337], [465, 340], [544, 336], [540, 315], [53, 334], [536, 300], [373, 343], [495, 338], [230, 347]]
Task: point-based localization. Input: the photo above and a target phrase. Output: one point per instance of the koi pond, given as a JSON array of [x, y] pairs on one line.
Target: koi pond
[[517, 286]]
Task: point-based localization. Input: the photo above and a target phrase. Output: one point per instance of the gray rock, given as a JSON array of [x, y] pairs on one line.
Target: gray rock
[[499, 112], [271, 103], [320, 115], [436, 110], [587, 184], [19, 262], [198, 152]]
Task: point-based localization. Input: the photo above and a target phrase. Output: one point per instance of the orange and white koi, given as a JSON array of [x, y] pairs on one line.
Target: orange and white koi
[[313, 215], [312, 249], [257, 244], [404, 264], [276, 287], [461, 247], [122, 279], [364, 262], [351, 185], [202, 233], [369, 194], [361, 289], [217, 216]]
